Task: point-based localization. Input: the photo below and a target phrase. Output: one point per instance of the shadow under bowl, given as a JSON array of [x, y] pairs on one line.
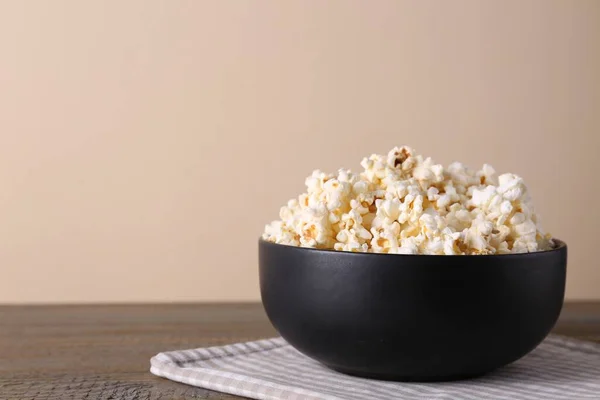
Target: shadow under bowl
[[412, 317]]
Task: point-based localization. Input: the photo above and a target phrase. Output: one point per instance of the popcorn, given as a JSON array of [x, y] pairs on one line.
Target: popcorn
[[403, 203], [280, 232], [384, 242], [352, 235], [398, 155], [427, 172], [433, 193], [487, 175], [336, 193], [389, 210], [385, 236], [511, 186], [482, 197], [506, 208]]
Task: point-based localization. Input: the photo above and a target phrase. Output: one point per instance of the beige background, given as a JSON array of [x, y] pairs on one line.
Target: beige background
[[144, 144]]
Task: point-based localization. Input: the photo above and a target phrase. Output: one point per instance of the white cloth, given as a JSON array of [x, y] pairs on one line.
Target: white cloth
[[271, 369]]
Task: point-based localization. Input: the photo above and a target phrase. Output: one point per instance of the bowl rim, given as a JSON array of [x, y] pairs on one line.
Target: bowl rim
[[559, 247]]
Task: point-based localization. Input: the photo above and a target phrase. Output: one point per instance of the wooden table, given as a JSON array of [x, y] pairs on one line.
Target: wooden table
[[103, 351]]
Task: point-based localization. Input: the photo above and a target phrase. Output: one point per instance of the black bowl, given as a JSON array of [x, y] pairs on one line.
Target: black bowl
[[412, 317]]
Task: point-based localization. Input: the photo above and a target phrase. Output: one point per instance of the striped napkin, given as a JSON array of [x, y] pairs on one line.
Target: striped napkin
[[271, 369]]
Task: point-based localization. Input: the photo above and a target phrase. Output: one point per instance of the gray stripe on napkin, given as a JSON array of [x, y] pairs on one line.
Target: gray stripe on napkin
[[559, 369]]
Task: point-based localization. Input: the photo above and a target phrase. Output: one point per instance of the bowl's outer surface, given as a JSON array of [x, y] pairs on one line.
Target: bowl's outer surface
[[412, 317]]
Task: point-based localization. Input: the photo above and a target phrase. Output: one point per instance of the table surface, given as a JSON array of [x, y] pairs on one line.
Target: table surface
[[103, 351]]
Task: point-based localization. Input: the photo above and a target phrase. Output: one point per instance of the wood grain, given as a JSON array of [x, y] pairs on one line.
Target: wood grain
[[103, 351]]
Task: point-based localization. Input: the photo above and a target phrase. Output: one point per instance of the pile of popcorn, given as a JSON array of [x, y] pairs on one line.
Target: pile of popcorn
[[404, 204]]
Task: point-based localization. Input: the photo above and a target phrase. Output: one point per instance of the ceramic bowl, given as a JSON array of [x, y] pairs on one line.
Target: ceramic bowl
[[412, 317]]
